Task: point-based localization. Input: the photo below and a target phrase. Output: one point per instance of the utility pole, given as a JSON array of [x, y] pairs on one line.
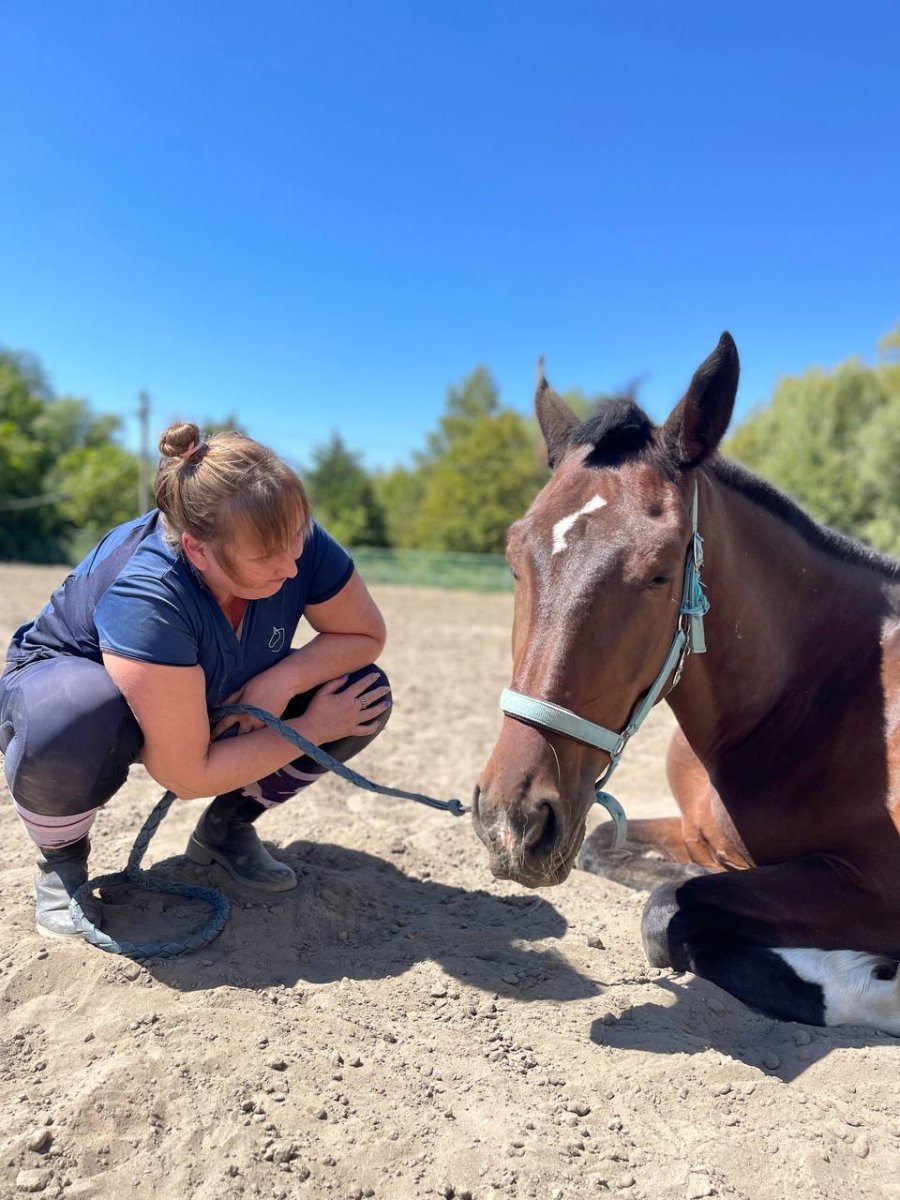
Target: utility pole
[[143, 459]]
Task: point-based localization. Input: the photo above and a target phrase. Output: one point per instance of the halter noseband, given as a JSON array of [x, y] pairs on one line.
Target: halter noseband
[[689, 637]]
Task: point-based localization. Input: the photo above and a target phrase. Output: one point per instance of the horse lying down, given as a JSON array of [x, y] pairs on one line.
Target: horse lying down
[[783, 870]]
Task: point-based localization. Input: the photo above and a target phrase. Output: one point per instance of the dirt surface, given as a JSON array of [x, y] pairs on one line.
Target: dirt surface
[[402, 1025]]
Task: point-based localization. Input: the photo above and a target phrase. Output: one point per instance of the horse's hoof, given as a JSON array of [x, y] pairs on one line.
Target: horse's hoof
[[632, 866], [657, 915]]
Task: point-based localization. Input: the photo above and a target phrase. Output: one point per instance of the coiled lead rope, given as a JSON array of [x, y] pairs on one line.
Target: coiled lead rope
[[133, 873]]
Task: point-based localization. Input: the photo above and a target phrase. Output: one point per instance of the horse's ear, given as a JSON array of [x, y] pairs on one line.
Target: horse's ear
[[697, 425], [554, 416]]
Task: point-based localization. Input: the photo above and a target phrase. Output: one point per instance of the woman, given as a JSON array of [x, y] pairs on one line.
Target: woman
[[191, 606]]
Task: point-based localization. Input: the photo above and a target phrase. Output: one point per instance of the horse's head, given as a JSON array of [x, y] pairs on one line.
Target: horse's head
[[599, 563]]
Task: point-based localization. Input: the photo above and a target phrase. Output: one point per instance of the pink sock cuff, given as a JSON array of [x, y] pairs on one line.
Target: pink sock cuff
[[53, 833]]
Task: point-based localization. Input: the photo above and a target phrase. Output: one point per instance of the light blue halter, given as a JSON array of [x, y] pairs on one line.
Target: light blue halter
[[689, 637]]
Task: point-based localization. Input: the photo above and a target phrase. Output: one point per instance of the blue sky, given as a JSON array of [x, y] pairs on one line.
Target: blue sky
[[319, 216]]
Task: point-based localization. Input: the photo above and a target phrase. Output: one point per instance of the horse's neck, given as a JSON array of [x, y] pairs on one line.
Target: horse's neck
[[781, 609]]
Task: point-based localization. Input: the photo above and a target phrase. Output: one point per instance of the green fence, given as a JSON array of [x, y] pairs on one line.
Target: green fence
[[426, 568], [410, 568]]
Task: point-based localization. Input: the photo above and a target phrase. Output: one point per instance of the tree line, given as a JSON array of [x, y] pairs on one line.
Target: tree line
[[831, 439]]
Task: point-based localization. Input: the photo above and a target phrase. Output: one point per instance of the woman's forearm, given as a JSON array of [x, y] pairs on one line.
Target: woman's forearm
[[235, 762], [328, 656]]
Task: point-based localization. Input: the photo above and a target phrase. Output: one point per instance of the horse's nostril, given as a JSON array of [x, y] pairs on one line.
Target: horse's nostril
[[476, 799], [541, 831]]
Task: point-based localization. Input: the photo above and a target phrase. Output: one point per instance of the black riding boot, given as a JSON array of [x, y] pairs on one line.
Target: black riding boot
[[225, 835], [59, 875]]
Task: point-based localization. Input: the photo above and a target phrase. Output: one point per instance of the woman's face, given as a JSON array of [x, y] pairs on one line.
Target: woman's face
[[253, 573]]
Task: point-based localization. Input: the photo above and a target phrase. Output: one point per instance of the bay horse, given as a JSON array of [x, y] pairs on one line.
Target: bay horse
[[786, 762]]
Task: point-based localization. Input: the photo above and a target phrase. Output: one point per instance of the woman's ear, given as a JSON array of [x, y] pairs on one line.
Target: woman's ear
[[195, 552]]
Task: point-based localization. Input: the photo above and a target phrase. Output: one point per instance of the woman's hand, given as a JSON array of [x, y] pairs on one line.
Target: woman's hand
[[334, 714]]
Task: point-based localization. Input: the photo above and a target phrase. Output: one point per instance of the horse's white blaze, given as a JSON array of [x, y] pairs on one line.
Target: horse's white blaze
[[852, 992], [564, 524]]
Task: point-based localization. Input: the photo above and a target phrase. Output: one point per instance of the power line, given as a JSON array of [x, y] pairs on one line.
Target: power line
[[37, 501]]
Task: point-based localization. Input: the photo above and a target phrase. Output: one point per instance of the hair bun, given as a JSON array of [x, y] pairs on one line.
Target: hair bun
[[178, 438]]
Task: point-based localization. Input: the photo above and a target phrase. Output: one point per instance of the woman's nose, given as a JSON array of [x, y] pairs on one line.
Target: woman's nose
[[289, 566]]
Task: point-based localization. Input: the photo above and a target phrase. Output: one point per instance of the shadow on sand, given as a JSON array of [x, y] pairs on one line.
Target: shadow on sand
[[703, 1017], [357, 916]]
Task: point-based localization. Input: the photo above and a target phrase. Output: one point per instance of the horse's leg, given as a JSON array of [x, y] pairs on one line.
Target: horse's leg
[[654, 853], [663, 849], [800, 941], [710, 837]]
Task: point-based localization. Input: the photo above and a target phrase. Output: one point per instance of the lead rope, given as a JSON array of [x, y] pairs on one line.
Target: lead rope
[[133, 873]]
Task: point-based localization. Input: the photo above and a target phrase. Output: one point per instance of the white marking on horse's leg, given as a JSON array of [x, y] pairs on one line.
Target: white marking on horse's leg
[[852, 990], [564, 524]]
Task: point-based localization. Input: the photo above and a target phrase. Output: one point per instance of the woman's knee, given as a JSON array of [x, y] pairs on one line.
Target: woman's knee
[[299, 703], [381, 681], [346, 747]]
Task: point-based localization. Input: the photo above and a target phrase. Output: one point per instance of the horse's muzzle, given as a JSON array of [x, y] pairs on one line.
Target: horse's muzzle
[[526, 841]]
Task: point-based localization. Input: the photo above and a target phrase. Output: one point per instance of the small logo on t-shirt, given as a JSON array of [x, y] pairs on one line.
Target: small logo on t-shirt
[[276, 641]]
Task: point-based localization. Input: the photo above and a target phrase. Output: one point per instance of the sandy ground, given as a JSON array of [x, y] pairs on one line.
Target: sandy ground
[[402, 1025]]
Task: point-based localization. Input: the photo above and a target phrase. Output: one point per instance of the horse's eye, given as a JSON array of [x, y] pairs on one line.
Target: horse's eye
[[659, 581]]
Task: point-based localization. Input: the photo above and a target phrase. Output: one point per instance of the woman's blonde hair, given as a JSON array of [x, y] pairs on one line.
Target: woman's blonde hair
[[229, 484]]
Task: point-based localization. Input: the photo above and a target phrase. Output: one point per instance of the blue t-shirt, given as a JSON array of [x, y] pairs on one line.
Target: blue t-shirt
[[134, 596]]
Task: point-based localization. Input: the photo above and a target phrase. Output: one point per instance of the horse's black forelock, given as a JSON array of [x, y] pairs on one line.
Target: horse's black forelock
[[620, 430]]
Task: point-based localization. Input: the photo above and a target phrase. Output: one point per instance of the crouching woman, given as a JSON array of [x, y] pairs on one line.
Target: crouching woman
[[186, 608]]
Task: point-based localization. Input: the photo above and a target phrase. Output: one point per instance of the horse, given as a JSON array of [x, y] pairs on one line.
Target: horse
[[781, 876]]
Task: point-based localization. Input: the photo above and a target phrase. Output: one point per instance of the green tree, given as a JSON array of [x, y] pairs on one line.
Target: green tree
[[476, 397], [100, 485], [229, 423], [30, 527], [879, 473], [399, 493], [831, 439], [584, 406], [60, 469], [343, 496], [481, 472]]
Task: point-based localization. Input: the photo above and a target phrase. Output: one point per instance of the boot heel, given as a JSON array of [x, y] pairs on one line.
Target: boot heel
[[198, 853], [229, 839]]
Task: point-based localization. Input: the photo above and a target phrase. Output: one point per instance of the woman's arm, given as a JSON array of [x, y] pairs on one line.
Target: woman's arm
[[169, 704], [350, 634]]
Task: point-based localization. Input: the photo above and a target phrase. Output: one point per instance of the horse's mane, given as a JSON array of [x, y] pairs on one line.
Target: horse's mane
[[620, 431], [835, 544]]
